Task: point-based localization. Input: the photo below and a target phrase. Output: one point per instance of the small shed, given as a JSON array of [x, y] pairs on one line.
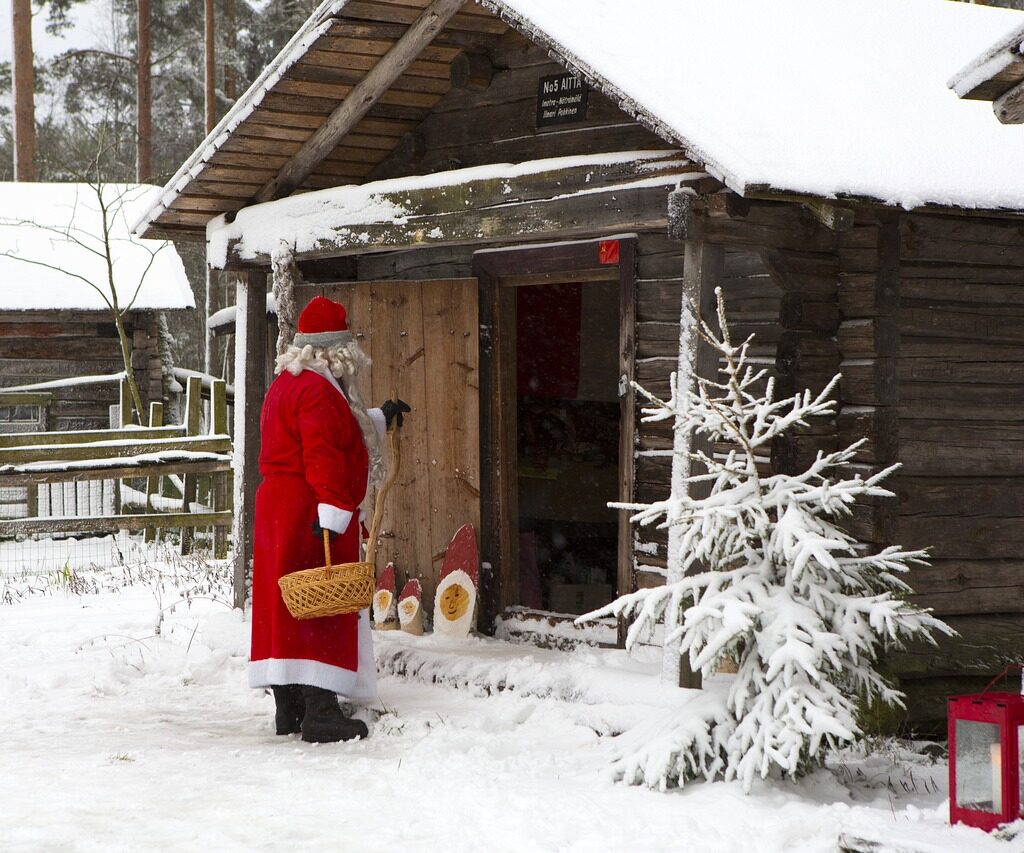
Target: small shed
[[55, 321], [514, 197], [996, 75]]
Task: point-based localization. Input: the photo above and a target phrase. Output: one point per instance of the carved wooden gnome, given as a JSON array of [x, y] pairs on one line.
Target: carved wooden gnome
[[455, 602], [410, 607], [385, 616]]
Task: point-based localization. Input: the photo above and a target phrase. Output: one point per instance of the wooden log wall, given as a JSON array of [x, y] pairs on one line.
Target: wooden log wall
[[958, 369], [40, 346], [496, 122], [753, 302]]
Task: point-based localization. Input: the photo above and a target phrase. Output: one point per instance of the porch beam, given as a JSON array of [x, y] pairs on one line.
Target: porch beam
[[360, 100], [536, 208]]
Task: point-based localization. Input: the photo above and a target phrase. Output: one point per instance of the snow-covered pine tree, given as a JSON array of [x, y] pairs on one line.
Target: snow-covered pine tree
[[773, 581]]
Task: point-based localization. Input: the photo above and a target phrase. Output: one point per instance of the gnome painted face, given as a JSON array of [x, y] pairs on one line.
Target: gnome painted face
[[454, 602]]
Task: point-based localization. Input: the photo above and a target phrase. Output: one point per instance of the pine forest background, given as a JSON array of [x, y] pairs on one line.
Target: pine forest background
[[85, 105]]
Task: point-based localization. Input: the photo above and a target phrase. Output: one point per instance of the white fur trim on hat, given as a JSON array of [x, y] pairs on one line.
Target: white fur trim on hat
[[322, 339]]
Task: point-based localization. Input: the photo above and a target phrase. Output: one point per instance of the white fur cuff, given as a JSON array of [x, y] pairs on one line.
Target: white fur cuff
[[333, 518]]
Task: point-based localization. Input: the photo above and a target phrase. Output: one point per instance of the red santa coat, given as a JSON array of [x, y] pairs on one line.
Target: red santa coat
[[312, 455]]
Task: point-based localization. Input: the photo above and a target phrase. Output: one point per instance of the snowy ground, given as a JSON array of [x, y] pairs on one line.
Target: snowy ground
[[117, 739]]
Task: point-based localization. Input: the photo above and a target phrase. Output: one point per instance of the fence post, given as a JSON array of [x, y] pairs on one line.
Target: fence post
[[190, 485], [250, 388], [220, 483], [156, 419], [124, 403]]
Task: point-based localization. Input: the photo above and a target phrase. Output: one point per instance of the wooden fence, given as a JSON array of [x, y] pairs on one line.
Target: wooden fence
[[188, 459]]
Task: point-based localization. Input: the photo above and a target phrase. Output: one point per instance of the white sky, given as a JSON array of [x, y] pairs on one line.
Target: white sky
[[46, 45]]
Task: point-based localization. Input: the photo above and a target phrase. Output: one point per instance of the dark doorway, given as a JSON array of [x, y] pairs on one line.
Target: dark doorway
[[567, 444], [557, 424]]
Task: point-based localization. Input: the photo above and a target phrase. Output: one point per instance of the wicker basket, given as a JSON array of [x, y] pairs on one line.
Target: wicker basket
[[329, 590], [348, 587]]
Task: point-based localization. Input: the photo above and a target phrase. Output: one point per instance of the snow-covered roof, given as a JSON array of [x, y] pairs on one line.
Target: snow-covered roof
[[989, 63], [52, 249], [824, 98], [818, 97]]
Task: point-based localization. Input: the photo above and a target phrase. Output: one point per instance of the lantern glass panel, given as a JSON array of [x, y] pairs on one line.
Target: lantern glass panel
[[1020, 765], [978, 766]]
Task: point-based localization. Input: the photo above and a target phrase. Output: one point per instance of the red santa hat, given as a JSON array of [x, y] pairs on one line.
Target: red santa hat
[[323, 324]]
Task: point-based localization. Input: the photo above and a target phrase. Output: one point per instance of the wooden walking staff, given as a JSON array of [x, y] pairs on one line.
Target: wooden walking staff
[[395, 453]]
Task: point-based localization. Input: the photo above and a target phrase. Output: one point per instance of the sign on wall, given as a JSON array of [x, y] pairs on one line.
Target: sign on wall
[[561, 99]]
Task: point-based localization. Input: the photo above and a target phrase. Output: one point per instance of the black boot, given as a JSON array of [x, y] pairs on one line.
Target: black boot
[[291, 708], [324, 721]]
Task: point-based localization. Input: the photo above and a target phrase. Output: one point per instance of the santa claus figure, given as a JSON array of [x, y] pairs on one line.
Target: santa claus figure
[[320, 452]]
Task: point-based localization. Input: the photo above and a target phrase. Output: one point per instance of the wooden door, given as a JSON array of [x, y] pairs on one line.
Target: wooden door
[[423, 338]]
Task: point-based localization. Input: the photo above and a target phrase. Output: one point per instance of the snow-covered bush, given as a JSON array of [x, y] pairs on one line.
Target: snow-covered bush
[[772, 581]]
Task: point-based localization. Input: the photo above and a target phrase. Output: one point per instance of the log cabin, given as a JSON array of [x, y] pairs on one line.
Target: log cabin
[[55, 322], [514, 197]]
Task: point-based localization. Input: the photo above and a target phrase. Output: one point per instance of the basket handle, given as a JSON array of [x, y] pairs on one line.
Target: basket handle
[[327, 548], [395, 452]]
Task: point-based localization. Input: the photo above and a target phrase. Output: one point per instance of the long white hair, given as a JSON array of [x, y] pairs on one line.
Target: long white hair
[[344, 361]]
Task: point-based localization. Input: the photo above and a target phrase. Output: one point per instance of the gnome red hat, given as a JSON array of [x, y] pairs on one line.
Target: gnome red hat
[[323, 324]]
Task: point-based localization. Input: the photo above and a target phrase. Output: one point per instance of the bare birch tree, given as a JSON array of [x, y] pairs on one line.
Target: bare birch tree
[[118, 295]]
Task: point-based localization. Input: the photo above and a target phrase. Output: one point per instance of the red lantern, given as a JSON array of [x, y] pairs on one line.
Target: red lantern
[[986, 754]]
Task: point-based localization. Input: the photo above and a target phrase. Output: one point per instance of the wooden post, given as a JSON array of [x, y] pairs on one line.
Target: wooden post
[[23, 85], [220, 483], [124, 403], [250, 387], [156, 419], [627, 412], [702, 271], [144, 96], [190, 482]]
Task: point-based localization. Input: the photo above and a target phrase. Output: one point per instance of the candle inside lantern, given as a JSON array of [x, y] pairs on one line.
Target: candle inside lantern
[[997, 777]]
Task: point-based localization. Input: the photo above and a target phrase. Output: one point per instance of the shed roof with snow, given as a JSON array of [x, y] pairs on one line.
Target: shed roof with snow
[[818, 98], [997, 75], [53, 256]]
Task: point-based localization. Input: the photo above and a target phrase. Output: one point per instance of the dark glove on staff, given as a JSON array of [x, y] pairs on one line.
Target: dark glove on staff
[[318, 531], [393, 411]]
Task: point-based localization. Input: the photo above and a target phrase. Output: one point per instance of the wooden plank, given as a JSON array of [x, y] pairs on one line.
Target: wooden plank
[[112, 523], [323, 79], [984, 646], [24, 398], [363, 95], [63, 475], [968, 587], [26, 454], [365, 61], [389, 11], [451, 338], [342, 92]]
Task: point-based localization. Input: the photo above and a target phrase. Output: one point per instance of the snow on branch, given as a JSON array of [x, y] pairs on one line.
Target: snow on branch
[[772, 581]]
